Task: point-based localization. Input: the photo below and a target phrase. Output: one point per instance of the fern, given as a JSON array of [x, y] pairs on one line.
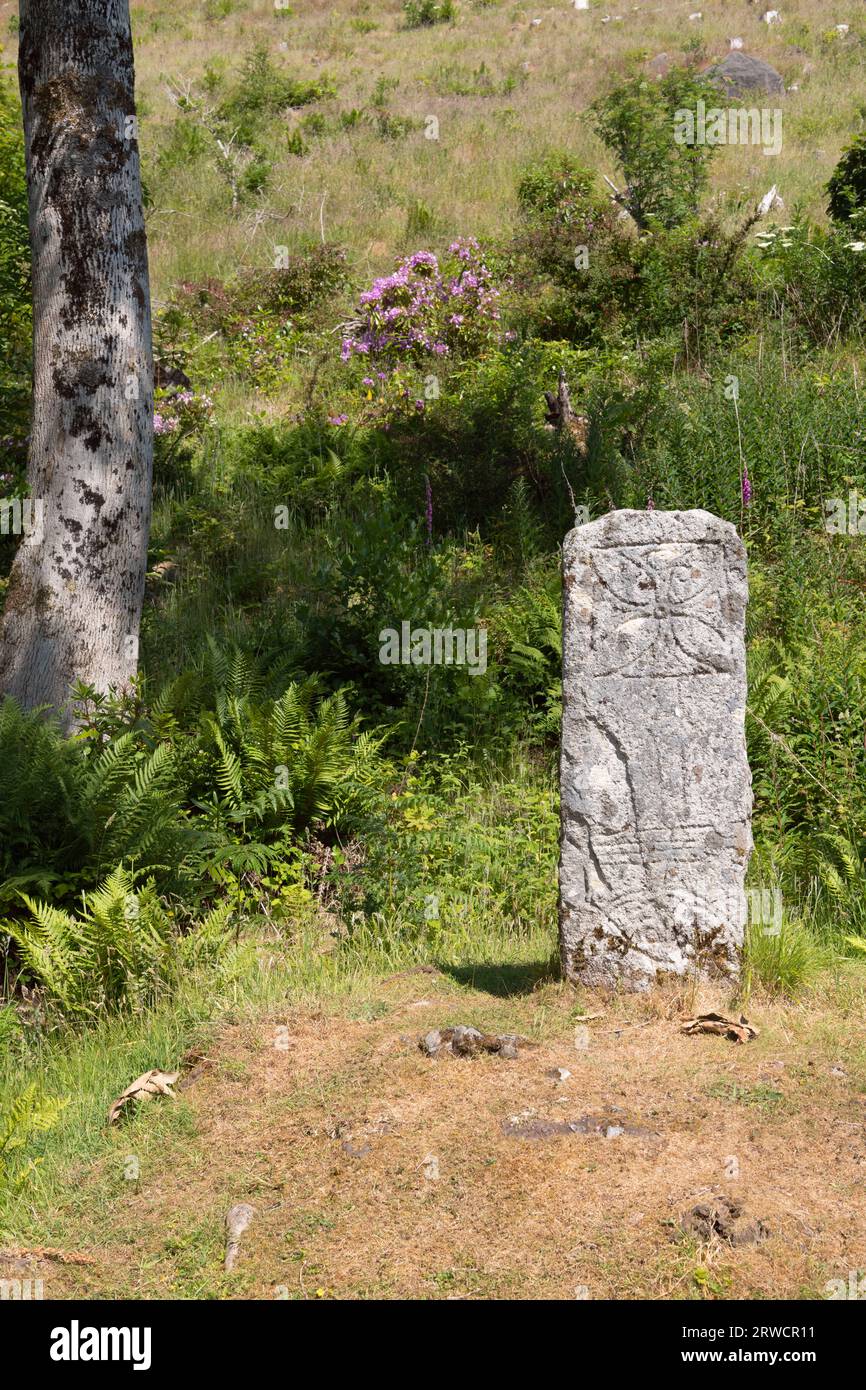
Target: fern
[[282, 765], [39, 772], [214, 783], [521, 530], [209, 941], [70, 809], [28, 1114], [528, 632], [121, 950], [133, 806]]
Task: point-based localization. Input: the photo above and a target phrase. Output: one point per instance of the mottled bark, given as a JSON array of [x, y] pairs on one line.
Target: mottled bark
[[75, 594]]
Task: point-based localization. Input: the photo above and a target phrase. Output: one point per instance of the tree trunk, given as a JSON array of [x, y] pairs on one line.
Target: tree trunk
[[75, 593]]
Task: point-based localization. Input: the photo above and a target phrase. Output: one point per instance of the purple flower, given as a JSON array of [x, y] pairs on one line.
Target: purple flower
[[408, 314], [464, 247], [747, 489], [423, 258], [338, 419], [428, 510], [650, 505]]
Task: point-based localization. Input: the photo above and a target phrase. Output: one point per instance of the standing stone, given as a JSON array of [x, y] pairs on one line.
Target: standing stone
[[656, 789]]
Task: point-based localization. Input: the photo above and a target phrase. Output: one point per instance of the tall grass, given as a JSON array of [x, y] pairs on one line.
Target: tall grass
[[536, 80]]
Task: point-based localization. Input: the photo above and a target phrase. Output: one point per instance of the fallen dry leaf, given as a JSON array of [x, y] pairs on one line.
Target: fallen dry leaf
[[739, 1031], [150, 1083]]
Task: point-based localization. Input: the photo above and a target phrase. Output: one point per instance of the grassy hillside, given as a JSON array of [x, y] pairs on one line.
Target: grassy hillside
[[504, 90], [507, 83]]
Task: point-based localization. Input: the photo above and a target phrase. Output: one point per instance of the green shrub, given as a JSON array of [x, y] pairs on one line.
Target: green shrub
[[486, 429], [306, 280], [580, 273], [419, 14], [526, 632], [251, 323], [186, 142], [817, 277], [261, 93], [454, 850], [558, 189], [808, 770], [693, 280], [847, 185], [636, 120], [571, 258]]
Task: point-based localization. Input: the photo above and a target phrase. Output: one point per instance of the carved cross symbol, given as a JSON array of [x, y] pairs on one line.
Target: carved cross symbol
[[668, 610]]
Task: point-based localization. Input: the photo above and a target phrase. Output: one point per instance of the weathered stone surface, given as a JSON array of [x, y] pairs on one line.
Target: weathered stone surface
[[741, 75], [656, 789]]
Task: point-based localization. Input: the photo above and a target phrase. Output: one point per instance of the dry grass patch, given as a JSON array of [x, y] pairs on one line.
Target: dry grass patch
[[378, 1172]]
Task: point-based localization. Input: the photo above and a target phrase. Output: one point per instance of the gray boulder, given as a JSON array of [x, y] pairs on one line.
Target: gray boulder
[[739, 75]]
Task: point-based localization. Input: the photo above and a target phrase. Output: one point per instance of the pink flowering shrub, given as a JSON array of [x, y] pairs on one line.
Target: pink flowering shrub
[[415, 322], [178, 414]]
